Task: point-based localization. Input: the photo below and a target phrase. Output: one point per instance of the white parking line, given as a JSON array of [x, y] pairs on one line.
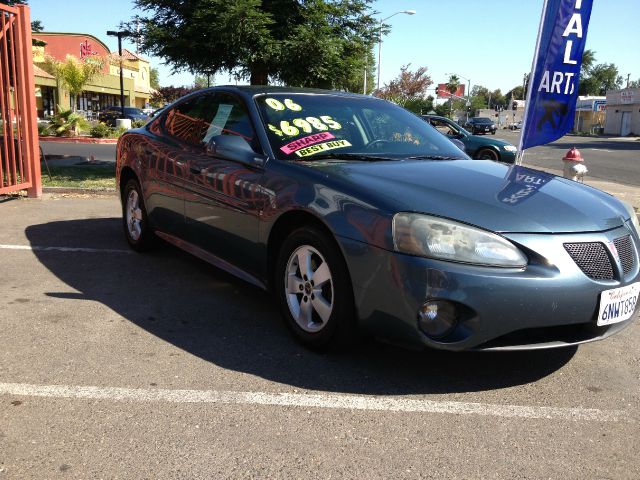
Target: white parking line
[[62, 249], [313, 400]]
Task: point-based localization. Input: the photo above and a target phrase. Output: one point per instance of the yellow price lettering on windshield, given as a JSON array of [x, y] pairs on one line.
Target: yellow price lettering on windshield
[[278, 106], [291, 105], [288, 129], [275, 104], [317, 124], [304, 125], [330, 122], [276, 131]]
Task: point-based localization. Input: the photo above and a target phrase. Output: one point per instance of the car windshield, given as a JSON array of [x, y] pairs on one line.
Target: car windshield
[[482, 120], [312, 126], [136, 111]]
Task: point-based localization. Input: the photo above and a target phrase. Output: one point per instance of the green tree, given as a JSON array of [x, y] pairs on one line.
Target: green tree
[[601, 79], [588, 60], [634, 83], [169, 94], [73, 74], [516, 93], [154, 78], [319, 43], [497, 99], [407, 86], [453, 84]]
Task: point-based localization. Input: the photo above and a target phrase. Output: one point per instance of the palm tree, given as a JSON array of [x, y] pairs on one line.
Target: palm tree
[[588, 60], [452, 88], [73, 74]]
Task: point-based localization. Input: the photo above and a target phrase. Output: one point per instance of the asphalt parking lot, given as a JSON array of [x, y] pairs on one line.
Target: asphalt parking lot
[[120, 365]]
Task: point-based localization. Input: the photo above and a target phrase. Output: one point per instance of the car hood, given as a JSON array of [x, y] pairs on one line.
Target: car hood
[[487, 194]]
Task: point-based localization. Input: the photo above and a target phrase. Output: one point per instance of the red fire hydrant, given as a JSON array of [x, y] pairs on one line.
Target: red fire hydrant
[[574, 167]]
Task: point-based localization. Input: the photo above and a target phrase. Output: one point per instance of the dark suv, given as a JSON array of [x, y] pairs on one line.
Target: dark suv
[[478, 125], [110, 114], [475, 146]]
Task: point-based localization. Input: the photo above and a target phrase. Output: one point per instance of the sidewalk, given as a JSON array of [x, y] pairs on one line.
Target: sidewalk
[[628, 193]]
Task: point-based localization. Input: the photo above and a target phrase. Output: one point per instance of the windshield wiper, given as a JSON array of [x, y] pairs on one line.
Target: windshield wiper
[[346, 156], [434, 157]]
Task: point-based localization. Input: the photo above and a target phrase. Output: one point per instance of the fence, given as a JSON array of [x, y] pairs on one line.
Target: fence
[[19, 148]]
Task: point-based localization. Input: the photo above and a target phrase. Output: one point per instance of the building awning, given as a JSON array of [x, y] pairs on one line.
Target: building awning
[[38, 72]]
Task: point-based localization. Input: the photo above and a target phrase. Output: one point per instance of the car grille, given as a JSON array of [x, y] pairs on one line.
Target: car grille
[[592, 257], [625, 251]]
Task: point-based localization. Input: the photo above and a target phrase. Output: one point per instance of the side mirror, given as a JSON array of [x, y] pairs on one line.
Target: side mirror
[[458, 144], [234, 148]]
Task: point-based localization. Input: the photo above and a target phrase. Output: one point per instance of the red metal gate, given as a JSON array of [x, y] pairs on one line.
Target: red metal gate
[[19, 148]]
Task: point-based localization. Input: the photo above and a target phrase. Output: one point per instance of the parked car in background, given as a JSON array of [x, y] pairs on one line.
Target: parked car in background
[[110, 114], [358, 215], [515, 125], [481, 148], [477, 125]]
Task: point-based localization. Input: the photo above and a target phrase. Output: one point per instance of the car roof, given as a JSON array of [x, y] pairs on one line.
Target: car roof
[[252, 90]]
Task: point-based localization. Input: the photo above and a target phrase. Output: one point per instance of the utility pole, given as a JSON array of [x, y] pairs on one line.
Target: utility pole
[[112, 33]]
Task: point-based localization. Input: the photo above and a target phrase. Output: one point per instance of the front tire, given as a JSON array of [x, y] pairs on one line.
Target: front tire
[[134, 218], [487, 154], [314, 290]]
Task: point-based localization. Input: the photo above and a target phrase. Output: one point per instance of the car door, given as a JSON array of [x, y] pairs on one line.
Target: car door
[[173, 142], [224, 197]]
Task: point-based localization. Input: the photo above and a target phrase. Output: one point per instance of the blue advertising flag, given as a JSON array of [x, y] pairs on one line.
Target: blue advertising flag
[[553, 84]]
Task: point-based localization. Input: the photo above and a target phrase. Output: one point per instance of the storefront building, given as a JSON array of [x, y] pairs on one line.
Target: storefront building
[[104, 90], [623, 112], [590, 114]]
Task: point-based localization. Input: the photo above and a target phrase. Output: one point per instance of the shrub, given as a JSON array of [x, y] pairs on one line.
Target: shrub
[[66, 123], [101, 130], [138, 123], [118, 132], [43, 130]]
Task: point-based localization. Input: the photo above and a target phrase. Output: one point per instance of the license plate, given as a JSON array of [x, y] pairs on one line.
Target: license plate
[[618, 304]]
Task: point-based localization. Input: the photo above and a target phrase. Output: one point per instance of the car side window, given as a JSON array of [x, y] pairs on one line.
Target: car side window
[[201, 118], [385, 127], [442, 127]]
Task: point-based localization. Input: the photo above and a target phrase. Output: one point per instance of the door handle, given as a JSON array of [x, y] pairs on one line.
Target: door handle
[[195, 170]]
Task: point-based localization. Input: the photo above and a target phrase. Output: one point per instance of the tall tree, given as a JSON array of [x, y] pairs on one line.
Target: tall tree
[[407, 86], [452, 84], [602, 78], [319, 43], [73, 74], [154, 78], [588, 60]]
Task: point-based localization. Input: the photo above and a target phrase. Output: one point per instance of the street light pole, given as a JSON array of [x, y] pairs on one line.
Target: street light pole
[[112, 33], [408, 12]]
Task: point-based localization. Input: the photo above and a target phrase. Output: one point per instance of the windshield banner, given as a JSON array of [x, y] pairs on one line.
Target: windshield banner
[[553, 86]]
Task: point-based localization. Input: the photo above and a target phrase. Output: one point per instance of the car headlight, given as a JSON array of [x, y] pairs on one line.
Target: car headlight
[[510, 148], [634, 216], [433, 237]]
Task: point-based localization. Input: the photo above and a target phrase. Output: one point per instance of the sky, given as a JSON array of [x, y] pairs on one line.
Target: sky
[[489, 42]]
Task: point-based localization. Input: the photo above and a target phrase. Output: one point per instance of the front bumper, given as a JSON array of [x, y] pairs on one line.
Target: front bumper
[[551, 303]]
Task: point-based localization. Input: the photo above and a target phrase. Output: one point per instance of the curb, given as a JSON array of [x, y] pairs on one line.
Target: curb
[[79, 140], [84, 191]]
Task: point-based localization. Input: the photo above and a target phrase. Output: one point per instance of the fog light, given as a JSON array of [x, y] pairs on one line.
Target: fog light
[[437, 318]]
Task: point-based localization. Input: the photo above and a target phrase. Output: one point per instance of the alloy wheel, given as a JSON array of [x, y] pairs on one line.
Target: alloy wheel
[[309, 288]]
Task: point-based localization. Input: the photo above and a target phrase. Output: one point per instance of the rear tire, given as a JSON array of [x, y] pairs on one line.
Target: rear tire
[[314, 291], [139, 235]]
